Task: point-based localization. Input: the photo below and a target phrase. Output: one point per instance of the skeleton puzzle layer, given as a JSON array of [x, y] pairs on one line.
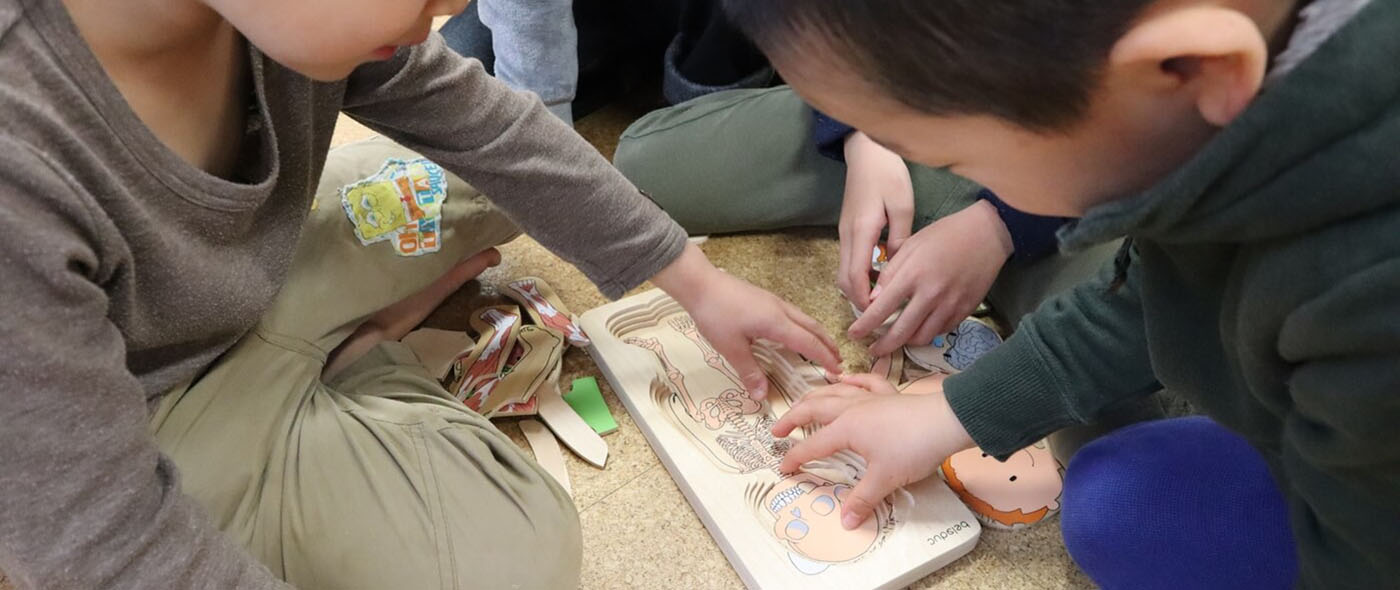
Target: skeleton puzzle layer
[[777, 531]]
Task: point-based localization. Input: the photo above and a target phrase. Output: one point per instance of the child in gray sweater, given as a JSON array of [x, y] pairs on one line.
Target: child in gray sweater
[[175, 281]]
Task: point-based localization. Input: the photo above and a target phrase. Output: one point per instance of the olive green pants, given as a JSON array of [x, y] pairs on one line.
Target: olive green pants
[[379, 478], [744, 160]]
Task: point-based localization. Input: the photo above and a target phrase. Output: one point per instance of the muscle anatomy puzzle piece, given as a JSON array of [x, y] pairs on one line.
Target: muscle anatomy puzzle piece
[[497, 328], [532, 362], [546, 308], [778, 530]]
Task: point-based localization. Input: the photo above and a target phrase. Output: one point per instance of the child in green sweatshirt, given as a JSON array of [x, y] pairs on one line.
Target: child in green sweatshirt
[[201, 383], [1246, 150]]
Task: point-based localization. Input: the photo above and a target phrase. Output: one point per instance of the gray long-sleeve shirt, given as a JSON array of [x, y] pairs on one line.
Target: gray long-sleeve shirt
[[125, 271]]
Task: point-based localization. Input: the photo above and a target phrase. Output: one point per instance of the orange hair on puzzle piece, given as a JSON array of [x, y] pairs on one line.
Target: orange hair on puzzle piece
[[981, 507]]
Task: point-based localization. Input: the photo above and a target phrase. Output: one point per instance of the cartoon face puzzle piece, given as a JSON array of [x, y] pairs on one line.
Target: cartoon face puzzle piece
[[805, 510], [546, 308], [401, 203], [956, 350], [777, 530], [1020, 492]]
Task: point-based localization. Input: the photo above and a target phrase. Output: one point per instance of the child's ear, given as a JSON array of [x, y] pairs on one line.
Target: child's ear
[[1216, 54]]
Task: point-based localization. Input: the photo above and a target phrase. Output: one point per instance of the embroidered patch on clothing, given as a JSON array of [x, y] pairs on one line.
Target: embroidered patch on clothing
[[400, 204]]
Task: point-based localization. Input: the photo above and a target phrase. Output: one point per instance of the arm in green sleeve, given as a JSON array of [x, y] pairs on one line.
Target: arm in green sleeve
[[1078, 354], [1340, 443]]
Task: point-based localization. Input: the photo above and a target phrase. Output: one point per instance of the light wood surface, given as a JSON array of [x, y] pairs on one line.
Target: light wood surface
[[546, 450], [777, 531]]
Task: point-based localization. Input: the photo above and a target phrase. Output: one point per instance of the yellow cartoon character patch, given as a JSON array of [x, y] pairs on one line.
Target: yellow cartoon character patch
[[401, 204]]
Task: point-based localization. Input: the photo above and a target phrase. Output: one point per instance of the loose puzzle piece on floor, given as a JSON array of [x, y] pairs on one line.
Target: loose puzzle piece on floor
[[1022, 491], [547, 453], [778, 531], [546, 308], [587, 400]]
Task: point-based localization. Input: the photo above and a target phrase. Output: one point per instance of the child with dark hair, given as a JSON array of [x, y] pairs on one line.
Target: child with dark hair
[[1244, 149], [201, 383]]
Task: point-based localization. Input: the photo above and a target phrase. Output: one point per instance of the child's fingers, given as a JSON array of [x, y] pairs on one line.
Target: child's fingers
[[891, 297], [837, 389], [818, 330], [820, 411], [869, 492], [903, 329], [825, 443], [901, 226], [869, 382], [797, 338], [736, 350], [935, 325], [856, 274]]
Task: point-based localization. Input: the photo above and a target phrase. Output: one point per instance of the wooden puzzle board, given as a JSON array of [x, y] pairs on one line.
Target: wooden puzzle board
[[777, 531]]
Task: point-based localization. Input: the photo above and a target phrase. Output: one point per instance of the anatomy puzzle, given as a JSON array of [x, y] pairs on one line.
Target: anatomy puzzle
[[777, 530]]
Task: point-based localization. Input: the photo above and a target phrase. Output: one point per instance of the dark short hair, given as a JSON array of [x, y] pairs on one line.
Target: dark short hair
[[1034, 63]]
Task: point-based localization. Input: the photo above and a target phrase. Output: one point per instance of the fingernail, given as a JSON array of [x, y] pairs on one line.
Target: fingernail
[[850, 521], [875, 292], [938, 341]]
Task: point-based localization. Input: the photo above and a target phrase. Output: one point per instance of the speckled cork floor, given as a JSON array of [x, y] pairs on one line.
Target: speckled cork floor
[[638, 530]]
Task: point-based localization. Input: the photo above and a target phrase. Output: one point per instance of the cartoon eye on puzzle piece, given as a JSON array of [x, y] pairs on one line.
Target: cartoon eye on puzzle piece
[[804, 513], [956, 350], [1022, 491]]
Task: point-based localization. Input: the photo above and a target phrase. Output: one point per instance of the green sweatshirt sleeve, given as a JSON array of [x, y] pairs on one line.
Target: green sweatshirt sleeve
[[1340, 446], [1078, 354]]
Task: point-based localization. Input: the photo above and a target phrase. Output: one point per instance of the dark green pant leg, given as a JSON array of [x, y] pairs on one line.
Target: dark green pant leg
[[744, 160], [740, 160]]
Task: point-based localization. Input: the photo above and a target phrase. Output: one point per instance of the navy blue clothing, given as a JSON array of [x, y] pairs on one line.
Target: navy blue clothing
[[1032, 235], [1179, 503]]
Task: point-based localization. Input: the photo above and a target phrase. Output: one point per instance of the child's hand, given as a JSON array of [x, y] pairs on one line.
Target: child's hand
[[943, 272], [878, 193], [732, 314], [903, 438]]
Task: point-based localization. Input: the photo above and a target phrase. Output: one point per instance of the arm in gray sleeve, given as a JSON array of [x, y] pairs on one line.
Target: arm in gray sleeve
[[86, 500], [533, 166]]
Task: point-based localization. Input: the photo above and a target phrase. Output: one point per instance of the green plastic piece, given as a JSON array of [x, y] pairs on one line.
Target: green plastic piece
[[587, 400]]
